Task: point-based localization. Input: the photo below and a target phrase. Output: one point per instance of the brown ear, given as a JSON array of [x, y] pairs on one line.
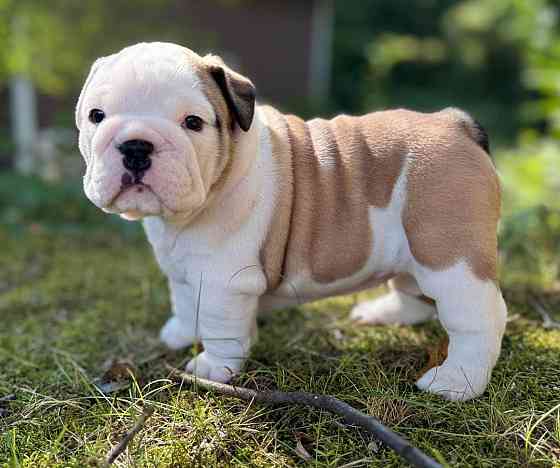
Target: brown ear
[[238, 92]]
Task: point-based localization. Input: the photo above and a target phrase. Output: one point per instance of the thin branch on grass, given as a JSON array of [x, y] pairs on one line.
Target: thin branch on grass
[[10, 397], [121, 446], [325, 402], [4, 400], [548, 321]]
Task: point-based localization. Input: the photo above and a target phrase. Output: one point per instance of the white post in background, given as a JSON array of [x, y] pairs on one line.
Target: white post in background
[[23, 101], [320, 64], [23, 109]]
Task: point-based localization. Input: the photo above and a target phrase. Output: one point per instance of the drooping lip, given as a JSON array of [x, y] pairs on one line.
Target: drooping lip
[[139, 187]]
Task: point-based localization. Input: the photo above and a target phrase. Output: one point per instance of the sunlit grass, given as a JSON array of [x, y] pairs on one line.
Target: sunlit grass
[[90, 301]]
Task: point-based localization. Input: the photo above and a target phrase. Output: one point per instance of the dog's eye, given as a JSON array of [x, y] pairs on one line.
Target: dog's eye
[[96, 116], [192, 122]]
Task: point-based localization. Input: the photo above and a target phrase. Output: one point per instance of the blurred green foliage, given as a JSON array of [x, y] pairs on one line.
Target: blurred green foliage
[[55, 41], [500, 60], [29, 203], [530, 233]]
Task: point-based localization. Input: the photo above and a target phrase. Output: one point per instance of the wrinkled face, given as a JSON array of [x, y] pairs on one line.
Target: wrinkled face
[[157, 123]]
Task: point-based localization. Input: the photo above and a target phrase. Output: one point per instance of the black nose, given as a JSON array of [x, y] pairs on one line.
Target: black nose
[[136, 155]]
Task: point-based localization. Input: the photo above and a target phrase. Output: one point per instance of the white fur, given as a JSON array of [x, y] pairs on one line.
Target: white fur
[[394, 308], [209, 247], [220, 275], [122, 85], [473, 313]]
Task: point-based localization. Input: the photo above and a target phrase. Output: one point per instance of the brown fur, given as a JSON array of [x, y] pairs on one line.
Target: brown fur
[[330, 172], [215, 96], [343, 166], [226, 136], [453, 204], [332, 196]]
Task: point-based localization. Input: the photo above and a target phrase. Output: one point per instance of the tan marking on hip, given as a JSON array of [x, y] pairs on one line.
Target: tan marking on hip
[[453, 203]]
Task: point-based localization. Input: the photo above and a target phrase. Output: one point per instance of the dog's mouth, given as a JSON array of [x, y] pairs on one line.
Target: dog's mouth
[[136, 199], [131, 184], [138, 187]]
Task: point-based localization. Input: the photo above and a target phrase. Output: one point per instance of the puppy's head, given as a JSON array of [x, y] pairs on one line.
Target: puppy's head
[[157, 128]]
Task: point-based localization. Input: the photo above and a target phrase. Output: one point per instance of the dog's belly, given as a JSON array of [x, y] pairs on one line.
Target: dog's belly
[[293, 293]]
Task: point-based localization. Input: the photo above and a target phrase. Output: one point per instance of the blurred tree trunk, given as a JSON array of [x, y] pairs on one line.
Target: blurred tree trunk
[[23, 102], [23, 109], [320, 64]]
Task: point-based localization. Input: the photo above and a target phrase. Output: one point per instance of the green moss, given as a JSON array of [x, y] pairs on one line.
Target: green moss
[[70, 301]]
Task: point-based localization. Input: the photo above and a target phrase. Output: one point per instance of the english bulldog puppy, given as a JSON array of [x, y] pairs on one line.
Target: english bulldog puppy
[[249, 209]]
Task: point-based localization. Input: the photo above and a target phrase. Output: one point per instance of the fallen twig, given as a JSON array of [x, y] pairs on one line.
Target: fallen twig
[[548, 321], [10, 397], [325, 402], [4, 400], [121, 446]]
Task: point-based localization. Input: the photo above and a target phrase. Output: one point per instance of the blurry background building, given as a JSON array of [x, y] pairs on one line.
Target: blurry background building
[[285, 46]]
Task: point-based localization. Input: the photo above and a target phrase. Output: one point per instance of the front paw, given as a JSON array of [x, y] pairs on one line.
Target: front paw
[[214, 368], [456, 383], [176, 335]]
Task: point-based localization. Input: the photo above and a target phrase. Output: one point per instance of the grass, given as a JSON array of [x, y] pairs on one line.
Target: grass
[[78, 289]]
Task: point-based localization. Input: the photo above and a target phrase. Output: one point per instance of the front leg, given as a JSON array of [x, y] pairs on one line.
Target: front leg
[[180, 330], [227, 327]]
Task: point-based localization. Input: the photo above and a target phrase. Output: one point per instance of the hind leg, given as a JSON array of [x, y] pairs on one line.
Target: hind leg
[[473, 313], [404, 304]]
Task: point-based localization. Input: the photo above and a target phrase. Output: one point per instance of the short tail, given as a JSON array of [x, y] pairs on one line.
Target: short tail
[[480, 135], [475, 130]]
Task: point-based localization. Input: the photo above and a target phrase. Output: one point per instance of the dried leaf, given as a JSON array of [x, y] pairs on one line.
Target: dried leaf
[[302, 452], [436, 356], [117, 376], [300, 449]]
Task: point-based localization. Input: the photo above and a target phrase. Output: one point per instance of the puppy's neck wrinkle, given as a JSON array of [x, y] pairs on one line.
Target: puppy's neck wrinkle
[[275, 246], [222, 189]]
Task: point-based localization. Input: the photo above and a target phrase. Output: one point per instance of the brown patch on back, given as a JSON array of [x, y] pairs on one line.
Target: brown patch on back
[[453, 203], [352, 174], [340, 168], [341, 238]]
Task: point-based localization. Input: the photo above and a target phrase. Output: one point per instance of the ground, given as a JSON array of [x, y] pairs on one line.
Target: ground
[[79, 289]]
